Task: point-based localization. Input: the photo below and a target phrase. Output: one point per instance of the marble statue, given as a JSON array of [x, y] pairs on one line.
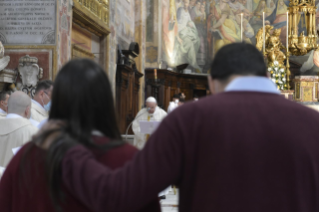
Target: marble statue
[[4, 60], [7, 76]]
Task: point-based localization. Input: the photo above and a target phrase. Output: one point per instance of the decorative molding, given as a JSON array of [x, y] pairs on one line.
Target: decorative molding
[[87, 28], [151, 54], [47, 47], [155, 83], [92, 15], [77, 51]]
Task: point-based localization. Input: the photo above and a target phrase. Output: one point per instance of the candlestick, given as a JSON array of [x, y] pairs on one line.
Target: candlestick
[[264, 33], [287, 32], [241, 27], [155, 73]]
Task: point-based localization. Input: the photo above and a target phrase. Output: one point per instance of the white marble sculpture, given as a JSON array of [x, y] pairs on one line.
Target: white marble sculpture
[[30, 73], [4, 60], [7, 76]]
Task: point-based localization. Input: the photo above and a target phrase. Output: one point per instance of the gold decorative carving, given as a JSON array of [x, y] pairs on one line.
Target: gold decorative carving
[[316, 90], [92, 15], [307, 94], [97, 7], [305, 42], [297, 90], [307, 84], [78, 52]]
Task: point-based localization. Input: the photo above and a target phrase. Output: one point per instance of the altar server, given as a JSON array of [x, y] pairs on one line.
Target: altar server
[[15, 129], [41, 101], [173, 104], [4, 96], [151, 113]]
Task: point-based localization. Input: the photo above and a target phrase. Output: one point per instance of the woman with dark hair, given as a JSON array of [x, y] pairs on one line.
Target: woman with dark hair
[[82, 98]]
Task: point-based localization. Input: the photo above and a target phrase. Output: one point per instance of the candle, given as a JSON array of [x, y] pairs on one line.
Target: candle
[[264, 32], [287, 32], [241, 27], [155, 73]]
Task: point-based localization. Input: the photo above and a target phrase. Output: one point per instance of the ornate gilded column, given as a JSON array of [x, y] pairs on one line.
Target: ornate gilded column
[[295, 13], [310, 24], [140, 38], [314, 23], [290, 25]]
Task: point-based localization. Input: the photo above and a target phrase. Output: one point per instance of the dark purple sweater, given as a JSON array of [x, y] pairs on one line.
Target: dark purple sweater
[[236, 151]]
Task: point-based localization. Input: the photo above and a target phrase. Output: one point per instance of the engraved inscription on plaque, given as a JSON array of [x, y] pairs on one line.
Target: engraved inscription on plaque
[[27, 21]]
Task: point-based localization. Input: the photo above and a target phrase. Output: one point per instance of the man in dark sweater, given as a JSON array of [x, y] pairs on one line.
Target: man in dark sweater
[[246, 148]]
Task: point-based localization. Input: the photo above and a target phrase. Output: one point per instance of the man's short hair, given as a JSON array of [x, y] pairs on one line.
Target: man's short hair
[[43, 85], [3, 95], [182, 100], [238, 59], [176, 96]]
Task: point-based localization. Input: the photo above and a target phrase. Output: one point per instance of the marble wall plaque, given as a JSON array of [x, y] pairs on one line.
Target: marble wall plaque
[[28, 21]]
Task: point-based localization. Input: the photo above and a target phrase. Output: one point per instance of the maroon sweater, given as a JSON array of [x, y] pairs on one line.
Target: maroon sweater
[[16, 196], [235, 151]]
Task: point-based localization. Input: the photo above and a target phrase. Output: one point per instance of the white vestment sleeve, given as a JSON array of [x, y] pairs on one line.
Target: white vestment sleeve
[[138, 136]]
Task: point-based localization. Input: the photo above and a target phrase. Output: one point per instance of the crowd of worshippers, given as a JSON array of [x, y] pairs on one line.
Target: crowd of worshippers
[[243, 148], [21, 117]]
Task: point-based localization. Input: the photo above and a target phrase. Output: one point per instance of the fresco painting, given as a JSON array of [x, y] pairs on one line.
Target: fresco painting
[[194, 30]]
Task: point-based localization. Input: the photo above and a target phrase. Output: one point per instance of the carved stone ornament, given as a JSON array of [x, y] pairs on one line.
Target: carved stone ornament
[[30, 73], [4, 60], [6, 75]]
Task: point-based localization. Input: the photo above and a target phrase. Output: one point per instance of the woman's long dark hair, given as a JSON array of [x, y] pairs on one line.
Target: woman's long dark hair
[[82, 98]]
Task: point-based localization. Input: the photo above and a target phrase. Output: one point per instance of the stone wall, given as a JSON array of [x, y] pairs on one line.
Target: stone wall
[[122, 31], [64, 26]]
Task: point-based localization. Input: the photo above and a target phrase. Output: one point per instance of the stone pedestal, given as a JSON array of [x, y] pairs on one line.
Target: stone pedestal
[[289, 94], [306, 88]]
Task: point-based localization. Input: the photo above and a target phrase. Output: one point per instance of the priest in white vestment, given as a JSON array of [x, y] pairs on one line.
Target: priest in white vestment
[[15, 129], [41, 101], [4, 96], [151, 113]]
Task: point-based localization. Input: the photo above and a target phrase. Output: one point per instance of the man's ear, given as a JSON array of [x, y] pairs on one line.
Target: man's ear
[[27, 112], [211, 84]]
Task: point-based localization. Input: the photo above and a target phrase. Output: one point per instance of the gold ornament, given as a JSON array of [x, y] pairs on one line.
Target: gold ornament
[[305, 12]]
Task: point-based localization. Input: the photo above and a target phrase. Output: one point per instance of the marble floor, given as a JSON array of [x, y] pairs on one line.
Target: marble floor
[[170, 204]]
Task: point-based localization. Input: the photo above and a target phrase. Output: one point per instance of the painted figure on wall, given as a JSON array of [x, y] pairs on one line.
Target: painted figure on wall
[[169, 30], [192, 33], [198, 16], [194, 30], [188, 39]]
